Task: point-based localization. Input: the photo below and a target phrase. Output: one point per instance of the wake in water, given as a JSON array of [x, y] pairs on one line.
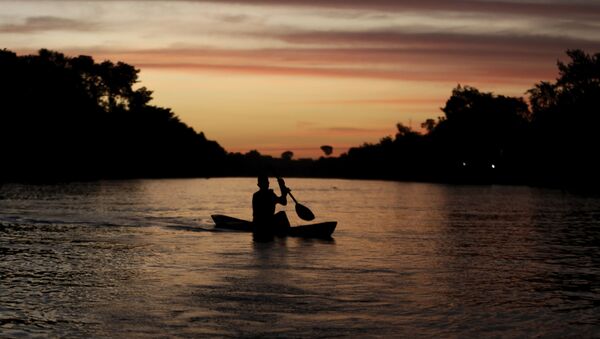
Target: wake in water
[[198, 229]]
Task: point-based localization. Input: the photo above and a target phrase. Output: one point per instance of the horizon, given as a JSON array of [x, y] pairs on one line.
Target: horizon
[[276, 76]]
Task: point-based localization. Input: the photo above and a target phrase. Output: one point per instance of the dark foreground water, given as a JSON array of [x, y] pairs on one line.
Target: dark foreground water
[[140, 259]]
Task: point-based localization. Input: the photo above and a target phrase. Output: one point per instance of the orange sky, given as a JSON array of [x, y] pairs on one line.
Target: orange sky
[[294, 75]]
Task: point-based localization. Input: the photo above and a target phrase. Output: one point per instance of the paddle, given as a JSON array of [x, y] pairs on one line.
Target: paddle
[[303, 212]]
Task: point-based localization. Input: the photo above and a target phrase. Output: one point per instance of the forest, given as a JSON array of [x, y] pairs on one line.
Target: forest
[[71, 118], [66, 118]]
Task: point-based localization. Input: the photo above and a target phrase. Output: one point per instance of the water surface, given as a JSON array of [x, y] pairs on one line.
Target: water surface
[[140, 259]]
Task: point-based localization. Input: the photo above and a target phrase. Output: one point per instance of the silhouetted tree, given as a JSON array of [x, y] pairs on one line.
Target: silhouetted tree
[[429, 125], [565, 118], [253, 154], [327, 150], [404, 131], [480, 131], [66, 118], [287, 155]]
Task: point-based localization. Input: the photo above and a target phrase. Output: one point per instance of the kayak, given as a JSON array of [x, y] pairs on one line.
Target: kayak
[[319, 230]]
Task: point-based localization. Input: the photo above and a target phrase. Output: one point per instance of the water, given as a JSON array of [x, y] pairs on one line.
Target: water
[[140, 259]]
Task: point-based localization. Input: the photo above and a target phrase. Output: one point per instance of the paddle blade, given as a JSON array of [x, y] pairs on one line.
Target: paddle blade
[[304, 213]]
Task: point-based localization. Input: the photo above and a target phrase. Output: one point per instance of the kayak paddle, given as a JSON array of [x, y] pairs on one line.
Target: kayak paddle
[[303, 212]]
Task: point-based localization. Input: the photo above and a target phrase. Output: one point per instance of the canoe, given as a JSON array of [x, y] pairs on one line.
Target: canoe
[[319, 230]]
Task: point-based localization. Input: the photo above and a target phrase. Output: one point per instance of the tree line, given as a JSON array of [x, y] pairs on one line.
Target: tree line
[[71, 118], [551, 139]]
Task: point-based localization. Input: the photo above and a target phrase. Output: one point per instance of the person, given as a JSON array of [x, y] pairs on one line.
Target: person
[[264, 202]]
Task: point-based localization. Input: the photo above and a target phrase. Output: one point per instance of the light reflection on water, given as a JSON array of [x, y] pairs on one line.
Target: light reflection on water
[[139, 258]]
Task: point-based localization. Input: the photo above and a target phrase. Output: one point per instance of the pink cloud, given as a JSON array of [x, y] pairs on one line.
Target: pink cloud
[[377, 63]]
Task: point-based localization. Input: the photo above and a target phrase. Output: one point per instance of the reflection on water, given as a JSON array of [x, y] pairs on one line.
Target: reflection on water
[[140, 258]]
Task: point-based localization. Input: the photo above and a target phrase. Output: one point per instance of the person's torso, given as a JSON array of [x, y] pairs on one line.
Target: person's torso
[[263, 205]]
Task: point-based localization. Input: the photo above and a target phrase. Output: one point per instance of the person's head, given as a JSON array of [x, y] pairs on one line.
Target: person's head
[[263, 182]]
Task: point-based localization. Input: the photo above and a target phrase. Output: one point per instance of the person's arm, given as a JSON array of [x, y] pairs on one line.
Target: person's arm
[[284, 192]]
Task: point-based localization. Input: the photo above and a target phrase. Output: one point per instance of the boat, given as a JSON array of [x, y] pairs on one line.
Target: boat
[[318, 230]]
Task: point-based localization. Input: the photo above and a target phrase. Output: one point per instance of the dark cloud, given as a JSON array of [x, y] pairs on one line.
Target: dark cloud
[[46, 23], [442, 42], [589, 9]]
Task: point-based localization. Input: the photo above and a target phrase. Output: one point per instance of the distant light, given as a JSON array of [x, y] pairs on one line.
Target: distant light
[[493, 166], [464, 164]]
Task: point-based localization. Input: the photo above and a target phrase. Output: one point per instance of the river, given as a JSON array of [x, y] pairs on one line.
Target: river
[[140, 258]]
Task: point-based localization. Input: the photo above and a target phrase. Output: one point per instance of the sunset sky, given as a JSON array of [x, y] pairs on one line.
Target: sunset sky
[[276, 75]]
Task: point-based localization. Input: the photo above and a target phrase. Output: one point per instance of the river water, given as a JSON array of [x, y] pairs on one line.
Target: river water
[[141, 259]]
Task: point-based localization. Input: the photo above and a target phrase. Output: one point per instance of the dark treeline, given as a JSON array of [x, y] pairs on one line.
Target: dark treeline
[[65, 118], [552, 139]]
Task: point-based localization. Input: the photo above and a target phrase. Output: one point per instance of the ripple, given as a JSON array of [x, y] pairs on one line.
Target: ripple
[[141, 259]]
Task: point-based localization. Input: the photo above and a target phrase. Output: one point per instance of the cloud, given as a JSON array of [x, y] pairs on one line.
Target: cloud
[[504, 75], [385, 101], [232, 18], [393, 53], [47, 23], [525, 8], [428, 63], [549, 8], [488, 44]]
